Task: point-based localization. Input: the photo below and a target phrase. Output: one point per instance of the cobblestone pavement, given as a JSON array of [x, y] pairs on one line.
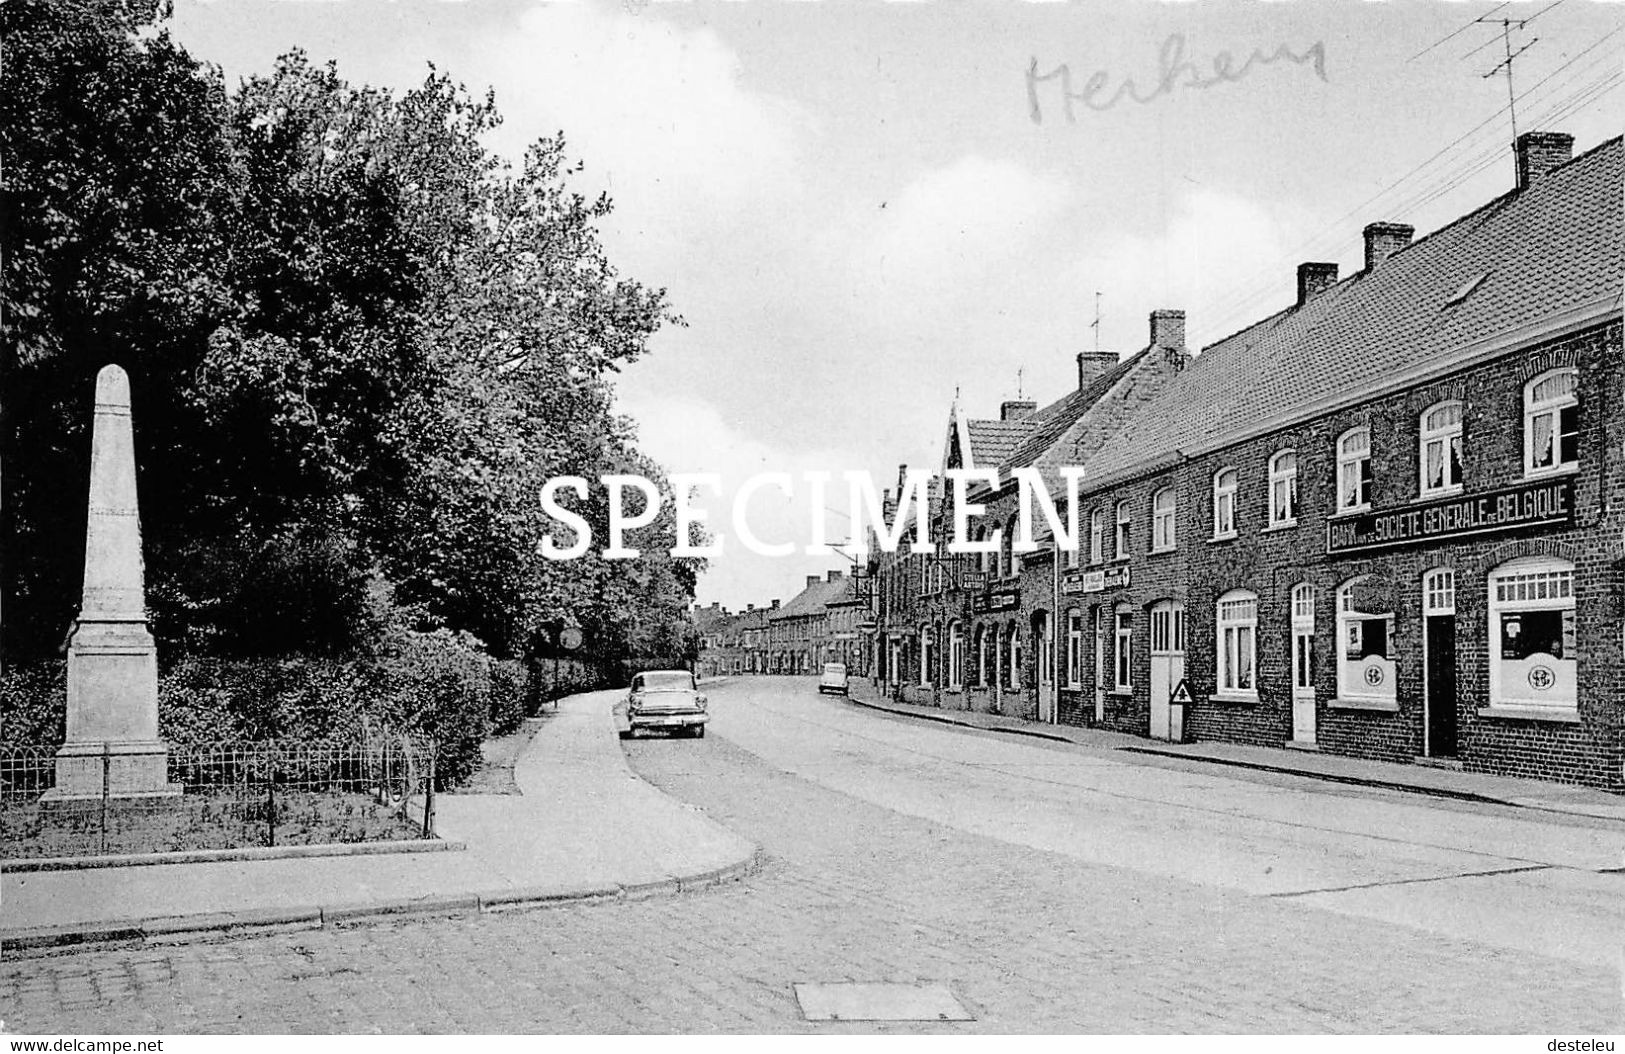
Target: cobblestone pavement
[[1029, 940]]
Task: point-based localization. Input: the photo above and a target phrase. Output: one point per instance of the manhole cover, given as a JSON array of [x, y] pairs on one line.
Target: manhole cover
[[863, 1001]]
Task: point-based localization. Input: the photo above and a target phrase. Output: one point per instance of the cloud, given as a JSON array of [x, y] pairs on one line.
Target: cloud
[[658, 111]]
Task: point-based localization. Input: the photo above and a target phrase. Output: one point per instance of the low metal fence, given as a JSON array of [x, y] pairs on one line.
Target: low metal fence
[[231, 795]]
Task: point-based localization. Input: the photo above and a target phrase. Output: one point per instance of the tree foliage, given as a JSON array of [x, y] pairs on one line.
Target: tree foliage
[[358, 343]]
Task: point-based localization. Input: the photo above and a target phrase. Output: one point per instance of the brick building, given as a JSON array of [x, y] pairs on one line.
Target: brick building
[[1386, 522]]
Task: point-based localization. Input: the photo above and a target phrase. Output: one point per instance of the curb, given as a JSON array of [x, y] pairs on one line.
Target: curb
[[211, 856], [1258, 766], [1030, 733], [263, 921]]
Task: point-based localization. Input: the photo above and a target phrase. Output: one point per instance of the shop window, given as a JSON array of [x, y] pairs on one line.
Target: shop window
[[981, 656], [1124, 652], [1124, 519], [1533, 660], [926, 644], [956, 656], [1441, 449], [1162, 520], [1236, 643], [1074, 648], [1551, 422], [1224, 503], [1284, 489], [1354, 470], [1097, 536], [1365, 629]]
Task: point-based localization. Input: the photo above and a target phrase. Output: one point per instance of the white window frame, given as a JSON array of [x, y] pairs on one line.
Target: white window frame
[[1074, 648], [1097, 535], [1123, 648], [1164, 507], [1236, 644], [1551, 406], [1284, 478], [1529, 585], [956, 656], [1354, 461], [926, 645], [1352, 673], [1226, 481], [1121, 536], [1303, 626], [1013, 656], [979, 639], [1446, 436]]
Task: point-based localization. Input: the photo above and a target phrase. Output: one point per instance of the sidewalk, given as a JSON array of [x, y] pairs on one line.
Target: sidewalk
[[1415, 779], [584, 828]]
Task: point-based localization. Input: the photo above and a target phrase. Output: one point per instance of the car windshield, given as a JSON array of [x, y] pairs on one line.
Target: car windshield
[[666, 682]]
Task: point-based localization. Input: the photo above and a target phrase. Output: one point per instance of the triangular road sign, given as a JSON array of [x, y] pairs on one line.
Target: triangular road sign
[[1182, 694]]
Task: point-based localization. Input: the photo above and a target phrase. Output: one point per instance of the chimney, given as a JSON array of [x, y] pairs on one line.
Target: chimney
[[1016, 409], [1093, 365], [1540, 152], [813, 580], [1168, 329], [1383, 240], [1314, 278], [775, 605], [835, 576], [750, 607]]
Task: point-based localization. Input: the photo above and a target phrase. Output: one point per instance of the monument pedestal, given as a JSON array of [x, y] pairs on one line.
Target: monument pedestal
[[112, 717]]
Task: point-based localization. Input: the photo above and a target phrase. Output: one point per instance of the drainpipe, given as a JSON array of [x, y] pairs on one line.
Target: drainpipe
[[1054, 635]]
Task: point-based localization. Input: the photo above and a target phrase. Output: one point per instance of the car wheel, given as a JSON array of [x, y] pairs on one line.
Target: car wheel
[[626, 733]]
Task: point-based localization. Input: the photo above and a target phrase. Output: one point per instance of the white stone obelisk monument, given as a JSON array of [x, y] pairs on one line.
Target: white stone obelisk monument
[[112, 663]]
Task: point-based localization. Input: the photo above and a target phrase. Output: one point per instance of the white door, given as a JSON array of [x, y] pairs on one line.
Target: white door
[[1043, 641], [1167, 663], [1303, 664], [1100, 664]]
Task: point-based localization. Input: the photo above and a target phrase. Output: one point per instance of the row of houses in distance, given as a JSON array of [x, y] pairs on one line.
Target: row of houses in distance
[[1387, 521], [824, 622]]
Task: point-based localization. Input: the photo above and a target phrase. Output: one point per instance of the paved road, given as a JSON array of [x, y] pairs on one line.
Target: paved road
[[1050, 887]]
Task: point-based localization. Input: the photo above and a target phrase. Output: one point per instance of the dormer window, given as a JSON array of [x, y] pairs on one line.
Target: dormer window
[[1441, 449], [1551, 422]]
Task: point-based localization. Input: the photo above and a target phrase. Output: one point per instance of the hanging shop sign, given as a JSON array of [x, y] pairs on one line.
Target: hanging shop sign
[[1540, 504]]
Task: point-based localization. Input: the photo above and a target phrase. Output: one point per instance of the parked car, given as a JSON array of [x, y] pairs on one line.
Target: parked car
[[667, 699], [834, 678]]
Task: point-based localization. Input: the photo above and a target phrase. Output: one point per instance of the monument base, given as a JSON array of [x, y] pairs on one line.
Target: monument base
[[124, 770]]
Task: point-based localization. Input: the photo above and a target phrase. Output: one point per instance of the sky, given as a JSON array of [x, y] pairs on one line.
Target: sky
[[866, 210]]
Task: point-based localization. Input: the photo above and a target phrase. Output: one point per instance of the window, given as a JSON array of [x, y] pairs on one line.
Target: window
[[1551, 422], [956, 657], [1012, 559], [1097, 536], [1354, 470], [1441, 449], [1015, 656], [1124, 517], [1125, 648], [1074, 648], [926, 643], [1236, 643], [1439, 592], [1224, 503], [1365, 629], [981, 656], [1303, 638], [1162, 520], [1284, 489], [1532, 635]]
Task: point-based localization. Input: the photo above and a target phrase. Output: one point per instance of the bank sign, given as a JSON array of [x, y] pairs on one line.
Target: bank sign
[[1547, 503]]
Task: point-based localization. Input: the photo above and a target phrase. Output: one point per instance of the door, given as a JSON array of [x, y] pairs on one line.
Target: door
[[1043, 658], [1303, 665], [1439, 700], [1100, 663], [1167, 663]]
